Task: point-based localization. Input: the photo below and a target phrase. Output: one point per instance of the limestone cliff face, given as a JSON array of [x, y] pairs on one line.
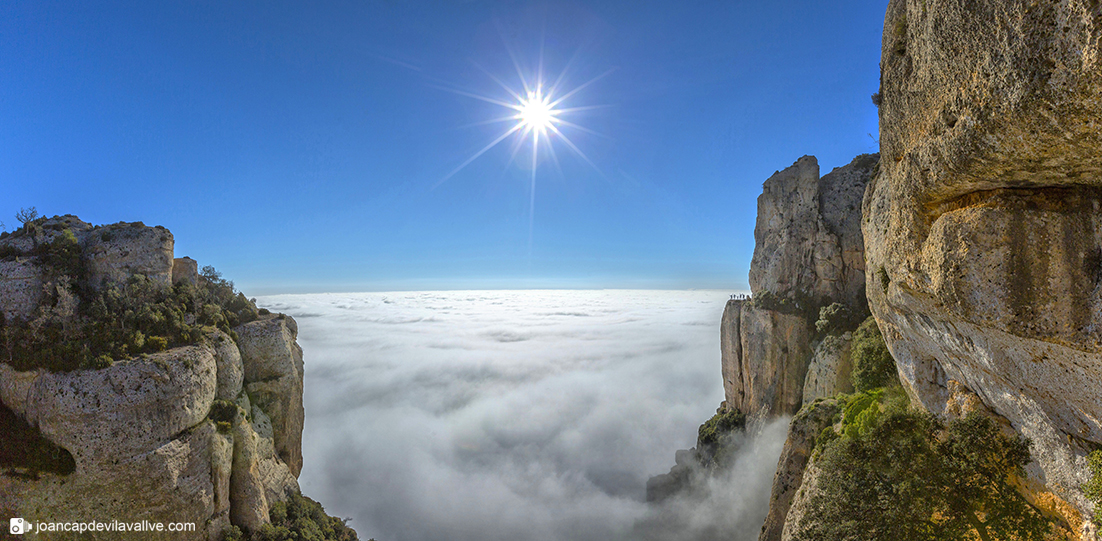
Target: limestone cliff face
[[140, 430], [788, 482], [982, 231], [808, 251], [773, 352], [808, 239], [828, 373]]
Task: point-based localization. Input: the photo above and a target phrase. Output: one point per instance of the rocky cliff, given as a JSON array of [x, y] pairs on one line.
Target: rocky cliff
[[982, 231], [207, 430], [808, 253]]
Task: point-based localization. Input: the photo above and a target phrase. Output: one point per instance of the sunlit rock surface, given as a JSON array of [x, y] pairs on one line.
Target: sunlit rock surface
[[808, 235], [808, 251], [789, 478], [982, 231], [273, 380], [138, 431]]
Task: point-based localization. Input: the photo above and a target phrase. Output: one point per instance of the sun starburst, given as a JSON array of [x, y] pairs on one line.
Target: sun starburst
[[536, 113], [537, 118]]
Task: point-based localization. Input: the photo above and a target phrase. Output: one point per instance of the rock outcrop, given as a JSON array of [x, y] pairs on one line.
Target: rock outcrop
[[808, 241], [982, 230], [808, 252], [828, 374], [117, 252], [150, 435], [789, 478], [273, 380], [773, 351]]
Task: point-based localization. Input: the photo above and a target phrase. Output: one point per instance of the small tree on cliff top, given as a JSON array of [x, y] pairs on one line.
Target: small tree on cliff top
[[26, 215]]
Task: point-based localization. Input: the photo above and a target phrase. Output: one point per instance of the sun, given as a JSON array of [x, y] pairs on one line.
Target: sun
[[537, 117], [536, 112]]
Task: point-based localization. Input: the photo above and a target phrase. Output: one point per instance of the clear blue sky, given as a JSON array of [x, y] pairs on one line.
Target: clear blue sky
[[300, 146]]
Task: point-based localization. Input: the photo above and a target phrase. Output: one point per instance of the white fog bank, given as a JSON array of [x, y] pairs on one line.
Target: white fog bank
[[516, 415]]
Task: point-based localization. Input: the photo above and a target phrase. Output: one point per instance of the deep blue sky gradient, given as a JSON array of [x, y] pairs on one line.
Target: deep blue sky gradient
[[300, 146]]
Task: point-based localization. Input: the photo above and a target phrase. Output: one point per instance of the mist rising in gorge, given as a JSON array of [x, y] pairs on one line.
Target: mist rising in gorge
[[517, 415]]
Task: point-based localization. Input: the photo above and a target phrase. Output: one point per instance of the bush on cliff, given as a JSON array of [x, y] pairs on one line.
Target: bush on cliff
[[79, 326], [873, 365], [1093, 488], [298, 519], [838, 318], [713, 440], [903, 476]]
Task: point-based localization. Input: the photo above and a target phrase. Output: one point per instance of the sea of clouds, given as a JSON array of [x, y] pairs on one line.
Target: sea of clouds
[[517, 415]]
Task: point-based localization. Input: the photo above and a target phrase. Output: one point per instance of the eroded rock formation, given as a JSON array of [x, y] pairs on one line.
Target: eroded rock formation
[[142, 431], [982, 231], [789, 478], [808, 252]]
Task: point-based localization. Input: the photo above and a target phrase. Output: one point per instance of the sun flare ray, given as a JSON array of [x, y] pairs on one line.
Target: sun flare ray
[[537, 117]]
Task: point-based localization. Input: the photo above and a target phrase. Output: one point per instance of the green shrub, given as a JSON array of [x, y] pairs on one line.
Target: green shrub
[[156, 343], [885, 279], [223, 411], [300, 518], [861, 413], [233, 533], [721, 424], [907, 477], [115, 320], [715, 442], [63, 256], [873, 365], [1093, 488], [838, 318]]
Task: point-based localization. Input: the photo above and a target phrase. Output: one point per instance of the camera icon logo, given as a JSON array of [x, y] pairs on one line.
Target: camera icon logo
[[19, 526]]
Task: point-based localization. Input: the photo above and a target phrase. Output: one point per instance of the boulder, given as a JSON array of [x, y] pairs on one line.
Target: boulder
[[120, 411], [117, 252], [185, 270]]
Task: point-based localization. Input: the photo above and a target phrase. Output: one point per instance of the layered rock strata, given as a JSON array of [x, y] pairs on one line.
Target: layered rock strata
[[982, 231]]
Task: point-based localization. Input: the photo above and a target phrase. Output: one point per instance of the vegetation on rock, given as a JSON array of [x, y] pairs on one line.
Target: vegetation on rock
[[82, 325], [767, 300], [902, 476], [892, 472], [298, 519], [1093, 488], [873, 365], [713, 440], [837, 318]]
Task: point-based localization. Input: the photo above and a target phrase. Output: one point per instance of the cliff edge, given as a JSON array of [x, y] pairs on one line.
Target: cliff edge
[[983, 231], [156, 393]]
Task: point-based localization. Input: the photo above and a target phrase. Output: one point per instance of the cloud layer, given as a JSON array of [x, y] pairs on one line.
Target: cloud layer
[[516, 415]]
